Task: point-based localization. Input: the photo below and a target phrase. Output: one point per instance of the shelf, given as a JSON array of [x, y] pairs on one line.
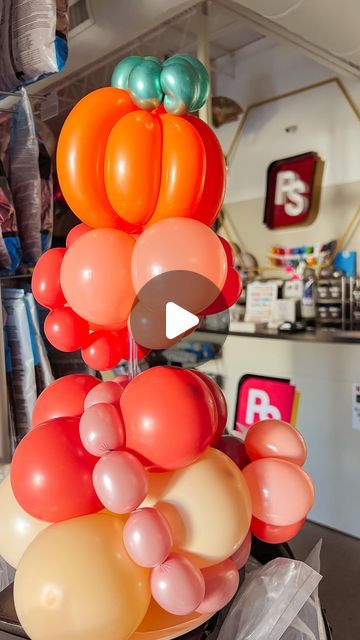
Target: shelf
[[330, 301]]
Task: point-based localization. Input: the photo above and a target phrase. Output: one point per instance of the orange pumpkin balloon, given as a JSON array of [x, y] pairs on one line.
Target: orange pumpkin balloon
[[81, 154]]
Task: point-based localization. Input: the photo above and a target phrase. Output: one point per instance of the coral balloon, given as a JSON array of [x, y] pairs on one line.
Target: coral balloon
[[120, 481], [169, 415], [281, 492], [221, 584], [45, 283], [96, 276], [123, 381], [108, 392], [207, 505], [51, 472], [76, 232], [63, 397], [65, 330], [273, 534], [220, 402], [147, 537], [81, 155], [177, 585], [233, 447], [161, 248], [102, 429], [77, 581], [241, 556], [17, 528], [275, 439], [230, 294]]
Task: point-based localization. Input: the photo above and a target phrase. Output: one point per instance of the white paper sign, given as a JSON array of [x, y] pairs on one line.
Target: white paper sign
[[356, 406]]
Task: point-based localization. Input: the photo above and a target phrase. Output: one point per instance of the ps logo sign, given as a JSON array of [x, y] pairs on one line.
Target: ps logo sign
[[293, 191]]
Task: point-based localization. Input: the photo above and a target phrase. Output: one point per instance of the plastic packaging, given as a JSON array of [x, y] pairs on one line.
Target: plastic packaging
[[10, 252], [45, 373], [22, 359], [7, 574], [269, 600], [33, 40]]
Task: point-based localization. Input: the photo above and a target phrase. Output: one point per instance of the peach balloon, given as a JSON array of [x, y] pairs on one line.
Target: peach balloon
[[96, 276], [159, 624], [241, 556], [281, 492], [207, 505], [179, 244], [275, 439], [77, 581], [17, 528], [221, 584]]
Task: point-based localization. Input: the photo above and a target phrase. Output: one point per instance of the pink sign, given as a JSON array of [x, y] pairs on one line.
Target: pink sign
[[261, 398]]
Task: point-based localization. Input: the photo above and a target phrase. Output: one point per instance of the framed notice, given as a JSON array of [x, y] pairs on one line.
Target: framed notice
[[259, 301]]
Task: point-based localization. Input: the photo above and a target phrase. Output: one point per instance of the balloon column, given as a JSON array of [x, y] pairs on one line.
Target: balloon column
[[127, 513]]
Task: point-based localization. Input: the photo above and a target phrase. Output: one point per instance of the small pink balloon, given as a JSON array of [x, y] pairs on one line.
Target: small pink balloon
[[147, 537], [177, 585], [123, 381], [275, 439], [102, 429], [241, 556], [221, 584], [120, 481], [281, 492], [108, 391]]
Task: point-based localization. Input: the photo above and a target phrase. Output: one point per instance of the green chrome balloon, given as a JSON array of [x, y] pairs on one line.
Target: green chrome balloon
[[120, 75], [203, 85], [179, 82], [144, 84]]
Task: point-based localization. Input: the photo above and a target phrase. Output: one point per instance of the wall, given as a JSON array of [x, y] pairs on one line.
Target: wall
[[325, 123]]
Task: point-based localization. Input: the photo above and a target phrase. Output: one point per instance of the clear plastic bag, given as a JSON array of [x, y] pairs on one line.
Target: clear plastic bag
[[269, 600], [7, 574]]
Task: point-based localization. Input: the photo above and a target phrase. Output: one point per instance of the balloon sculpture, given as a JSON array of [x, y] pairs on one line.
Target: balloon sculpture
[[128, 513]]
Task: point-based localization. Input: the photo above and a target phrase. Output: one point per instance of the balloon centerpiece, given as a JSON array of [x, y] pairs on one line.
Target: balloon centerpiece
[[127, 512]]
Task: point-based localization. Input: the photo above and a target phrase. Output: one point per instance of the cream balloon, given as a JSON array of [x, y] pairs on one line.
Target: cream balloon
[[77, 581], [207, 505], [17, 528]]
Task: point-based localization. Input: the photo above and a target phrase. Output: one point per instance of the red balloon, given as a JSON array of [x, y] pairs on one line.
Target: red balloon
[[45, 282], [63, 397], [220, 402], [102, 350], [65, 330], [76, 232], [230, 293], [235, 449], [51, 472], [274, 534], [169, 415], [228, 250]]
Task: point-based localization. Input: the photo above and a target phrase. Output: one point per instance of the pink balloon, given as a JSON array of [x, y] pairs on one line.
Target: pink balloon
[[221, 584], [275, 439], [281, 492], [102, 429], [147, 537], [120, 481], [177, 585], [108, 392], [121, 380], [241, 556]]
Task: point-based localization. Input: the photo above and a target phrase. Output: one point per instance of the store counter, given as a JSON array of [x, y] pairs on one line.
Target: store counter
[[323, 366]]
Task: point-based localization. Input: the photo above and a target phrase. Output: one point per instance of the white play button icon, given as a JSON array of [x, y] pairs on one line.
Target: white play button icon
[[178, 320]]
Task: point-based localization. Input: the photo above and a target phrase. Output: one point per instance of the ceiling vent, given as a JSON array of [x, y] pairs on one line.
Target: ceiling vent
[[80, 17]]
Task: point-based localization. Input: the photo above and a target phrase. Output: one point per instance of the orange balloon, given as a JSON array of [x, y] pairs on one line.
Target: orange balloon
[[183, 167], [133, 166], [215, 176], [96, 276], [81, 155], [178, 244], [275, 439], [281, 492]]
